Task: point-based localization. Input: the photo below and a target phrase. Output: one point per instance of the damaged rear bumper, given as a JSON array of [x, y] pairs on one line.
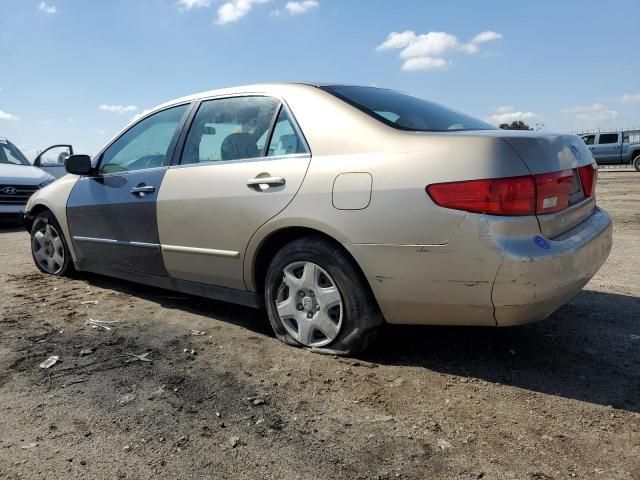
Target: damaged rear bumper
[[494, 271]]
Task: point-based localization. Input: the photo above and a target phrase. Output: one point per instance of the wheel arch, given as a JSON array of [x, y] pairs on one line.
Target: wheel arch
[[272, 242]]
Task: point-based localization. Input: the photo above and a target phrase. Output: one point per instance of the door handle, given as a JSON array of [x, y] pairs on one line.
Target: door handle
[[142, 190], [271, 181]]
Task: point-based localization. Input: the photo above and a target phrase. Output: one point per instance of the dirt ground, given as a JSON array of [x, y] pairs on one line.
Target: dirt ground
[[554, 400]]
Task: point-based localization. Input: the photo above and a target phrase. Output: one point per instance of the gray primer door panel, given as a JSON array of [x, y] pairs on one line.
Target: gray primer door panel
[[111, 226]]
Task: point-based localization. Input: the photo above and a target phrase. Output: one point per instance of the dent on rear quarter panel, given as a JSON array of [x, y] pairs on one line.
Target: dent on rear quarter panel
[[54, 197]]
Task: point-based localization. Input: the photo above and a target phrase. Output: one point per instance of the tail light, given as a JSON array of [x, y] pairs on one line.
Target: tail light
[[588, 176], [526, 195]]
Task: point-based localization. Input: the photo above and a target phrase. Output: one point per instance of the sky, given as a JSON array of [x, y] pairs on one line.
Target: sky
[[77, 71]]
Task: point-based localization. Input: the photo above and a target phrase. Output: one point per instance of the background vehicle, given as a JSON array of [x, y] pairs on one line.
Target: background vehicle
[[336, 207], [18, 181], [615, 147], [51, 160]]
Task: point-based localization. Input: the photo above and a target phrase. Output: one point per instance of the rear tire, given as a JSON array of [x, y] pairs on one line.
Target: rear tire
[[48, 246], [636, 163], [316, 297]]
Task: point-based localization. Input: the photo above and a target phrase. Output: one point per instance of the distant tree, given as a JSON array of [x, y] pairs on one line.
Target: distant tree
[[516, 125]]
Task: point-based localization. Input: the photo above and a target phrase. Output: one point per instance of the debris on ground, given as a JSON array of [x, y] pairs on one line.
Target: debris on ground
[[383, 418], [126, 399], [235, 442], [143, 357], [198, 333], [100, 323], [84, 353], [443, 444], [90, 302], [50, 362], [29, 446]]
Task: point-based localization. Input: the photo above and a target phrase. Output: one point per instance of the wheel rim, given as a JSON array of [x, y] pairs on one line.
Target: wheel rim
[[48, 249], [309, 304]]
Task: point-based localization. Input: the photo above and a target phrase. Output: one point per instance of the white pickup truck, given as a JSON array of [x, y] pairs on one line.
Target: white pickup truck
[[615, 147]]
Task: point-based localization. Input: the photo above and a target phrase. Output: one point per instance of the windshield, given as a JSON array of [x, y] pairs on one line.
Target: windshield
[[406, 112], [9, 154]]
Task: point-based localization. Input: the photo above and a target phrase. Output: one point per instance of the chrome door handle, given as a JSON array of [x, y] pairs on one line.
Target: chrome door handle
[[142, 190], [271, 181]]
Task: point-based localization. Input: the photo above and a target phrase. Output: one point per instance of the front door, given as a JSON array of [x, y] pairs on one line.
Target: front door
[[112, 214], [243, 162]]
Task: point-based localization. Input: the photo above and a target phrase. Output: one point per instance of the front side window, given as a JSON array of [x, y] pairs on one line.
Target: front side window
[[145, 145], [230, 129], [406, 112], [9, 154], [608, 138], [589, 139]]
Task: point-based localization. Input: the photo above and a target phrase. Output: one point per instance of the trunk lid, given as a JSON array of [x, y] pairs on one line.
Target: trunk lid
[[544, 153]]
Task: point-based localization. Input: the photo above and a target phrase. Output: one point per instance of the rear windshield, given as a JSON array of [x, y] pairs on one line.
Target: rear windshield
[[406, 112]]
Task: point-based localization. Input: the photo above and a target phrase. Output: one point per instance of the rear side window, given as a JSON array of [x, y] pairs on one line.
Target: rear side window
[[406, 112], [230, 129], [606, 138], [589, 139], [285, 140]]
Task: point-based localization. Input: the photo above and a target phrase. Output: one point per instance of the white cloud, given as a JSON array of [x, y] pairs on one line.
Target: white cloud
[[47, 8], [120, 109], [189, 4], [9, 117], [508, 114], [430, 51], [487, 36], [630, 98], [591, 113], [234, 10], [424, 63], [296, 8]]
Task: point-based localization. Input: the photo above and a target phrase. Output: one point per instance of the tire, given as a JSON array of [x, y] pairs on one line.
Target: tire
[[49, 249], [636, 163], [305, 281]]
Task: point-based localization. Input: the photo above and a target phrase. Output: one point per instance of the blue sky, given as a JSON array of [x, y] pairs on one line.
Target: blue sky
[[77, 70]]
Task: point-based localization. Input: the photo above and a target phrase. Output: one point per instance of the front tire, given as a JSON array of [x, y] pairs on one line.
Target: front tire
[[636, 163], [48, 246], [317, 298]]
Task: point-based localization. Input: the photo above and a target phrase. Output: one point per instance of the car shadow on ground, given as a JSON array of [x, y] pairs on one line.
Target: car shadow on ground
[[586, 351]]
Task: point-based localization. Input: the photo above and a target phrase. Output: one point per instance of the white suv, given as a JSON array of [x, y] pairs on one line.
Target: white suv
[[18, 181]]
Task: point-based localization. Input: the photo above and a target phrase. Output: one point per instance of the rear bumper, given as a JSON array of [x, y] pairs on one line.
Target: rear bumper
[[534, 281], [492, 272]]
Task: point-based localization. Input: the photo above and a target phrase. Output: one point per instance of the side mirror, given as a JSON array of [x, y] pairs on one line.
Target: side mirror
[[78, 164]]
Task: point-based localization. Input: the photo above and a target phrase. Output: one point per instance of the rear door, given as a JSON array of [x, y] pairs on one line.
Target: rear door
[[112, 213], [608, 148], [242, 162]]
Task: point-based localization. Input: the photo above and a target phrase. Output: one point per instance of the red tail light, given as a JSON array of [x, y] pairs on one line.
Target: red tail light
[[528, 195], [588, 176], [553, 191], [501, 196]]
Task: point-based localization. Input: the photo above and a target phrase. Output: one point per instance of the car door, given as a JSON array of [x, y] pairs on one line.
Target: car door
[[51, 160], [607, 150], [242, 162], [112, 213]]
